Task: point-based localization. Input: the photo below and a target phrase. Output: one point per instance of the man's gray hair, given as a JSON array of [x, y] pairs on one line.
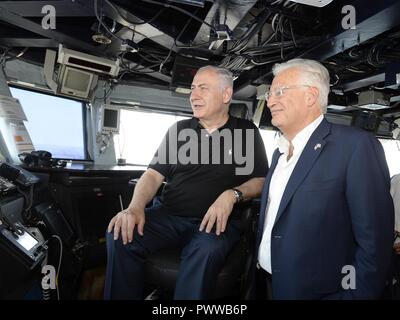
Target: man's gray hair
[[312, 73], [225, 75]]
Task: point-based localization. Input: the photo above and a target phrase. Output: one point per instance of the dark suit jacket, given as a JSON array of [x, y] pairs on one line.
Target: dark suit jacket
[[336, 210]]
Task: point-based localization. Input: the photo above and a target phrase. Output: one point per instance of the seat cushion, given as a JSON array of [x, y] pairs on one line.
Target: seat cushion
[[162, 269]]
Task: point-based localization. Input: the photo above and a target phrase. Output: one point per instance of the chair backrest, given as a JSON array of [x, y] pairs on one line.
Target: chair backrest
[[162, 267], [239, 110]]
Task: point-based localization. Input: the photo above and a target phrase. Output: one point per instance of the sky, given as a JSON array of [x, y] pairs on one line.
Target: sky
[[53, 122]]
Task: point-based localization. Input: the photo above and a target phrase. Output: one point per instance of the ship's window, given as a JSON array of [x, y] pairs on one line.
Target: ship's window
[[54, 124], [141, 134]]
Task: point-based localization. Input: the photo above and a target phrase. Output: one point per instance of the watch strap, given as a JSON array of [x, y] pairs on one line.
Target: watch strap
[[238, 195]]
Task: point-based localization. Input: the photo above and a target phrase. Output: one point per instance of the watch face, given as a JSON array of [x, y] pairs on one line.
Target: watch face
[[238, 195]]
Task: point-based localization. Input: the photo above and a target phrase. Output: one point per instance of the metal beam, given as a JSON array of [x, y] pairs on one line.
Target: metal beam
[[150, 72], [389, 75], [85, 8], [141, 31], [18, 21], [234, 11], [129, 21], [29, 42], [55, 37], [363, 82], [372, 17], [64, 8], [245, 93]]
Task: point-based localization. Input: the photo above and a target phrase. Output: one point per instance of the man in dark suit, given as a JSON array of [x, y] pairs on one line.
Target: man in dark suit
[[326, 222]]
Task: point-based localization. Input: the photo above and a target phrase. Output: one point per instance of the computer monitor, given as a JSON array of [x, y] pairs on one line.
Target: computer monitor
[[110, 117], [76, 82], [184, 71]]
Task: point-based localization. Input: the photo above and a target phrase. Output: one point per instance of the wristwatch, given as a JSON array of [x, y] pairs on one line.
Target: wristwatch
[[238, 195]]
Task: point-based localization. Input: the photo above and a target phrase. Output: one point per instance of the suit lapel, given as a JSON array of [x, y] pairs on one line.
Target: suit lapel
[[310, 154]]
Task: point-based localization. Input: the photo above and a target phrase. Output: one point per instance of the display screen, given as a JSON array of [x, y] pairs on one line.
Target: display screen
[[77, 80], [27, 241], [110, 118]]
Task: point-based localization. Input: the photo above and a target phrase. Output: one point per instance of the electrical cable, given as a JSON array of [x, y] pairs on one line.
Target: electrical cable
[[175, 40], [59, 264], [167, 5], [131, 22], [46, 293], [104, 25], [19, 55]]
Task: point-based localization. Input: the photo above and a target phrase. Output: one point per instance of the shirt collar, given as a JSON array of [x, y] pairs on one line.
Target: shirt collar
[[300, 140], [231, 123]]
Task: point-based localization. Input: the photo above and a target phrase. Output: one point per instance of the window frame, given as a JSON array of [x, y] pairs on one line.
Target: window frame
[[149, 110], [84, 118]]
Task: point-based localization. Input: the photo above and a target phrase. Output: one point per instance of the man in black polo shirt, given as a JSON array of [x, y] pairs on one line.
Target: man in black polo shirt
[[209, 163]]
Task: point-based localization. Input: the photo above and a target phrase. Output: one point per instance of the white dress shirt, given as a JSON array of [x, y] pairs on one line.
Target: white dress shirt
[[279, 180], [395, 191]]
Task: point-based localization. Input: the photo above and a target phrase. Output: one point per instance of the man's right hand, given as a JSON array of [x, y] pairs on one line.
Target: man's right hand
[[396, 248], [396, 245], [125, 222]]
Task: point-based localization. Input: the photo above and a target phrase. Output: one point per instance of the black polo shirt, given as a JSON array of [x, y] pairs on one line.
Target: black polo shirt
[[198, 171]]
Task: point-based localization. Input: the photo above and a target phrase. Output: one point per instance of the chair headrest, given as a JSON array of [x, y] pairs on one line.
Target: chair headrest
[[238, 110]]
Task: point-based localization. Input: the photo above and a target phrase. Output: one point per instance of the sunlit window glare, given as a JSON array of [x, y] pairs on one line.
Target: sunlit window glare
[[141, 134], [54, 124]]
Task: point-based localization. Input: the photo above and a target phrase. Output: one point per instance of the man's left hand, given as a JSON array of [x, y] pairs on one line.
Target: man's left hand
[[219, 212]]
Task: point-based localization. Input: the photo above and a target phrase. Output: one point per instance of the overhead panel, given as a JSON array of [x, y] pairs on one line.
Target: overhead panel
[[231, 13]]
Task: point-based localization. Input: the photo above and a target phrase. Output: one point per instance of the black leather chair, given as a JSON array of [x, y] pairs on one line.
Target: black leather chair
[[162, 267], [239, 110]]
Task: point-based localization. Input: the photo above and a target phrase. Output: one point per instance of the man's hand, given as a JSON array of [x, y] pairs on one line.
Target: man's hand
[[125, 221], [396, 248], [219, 212]]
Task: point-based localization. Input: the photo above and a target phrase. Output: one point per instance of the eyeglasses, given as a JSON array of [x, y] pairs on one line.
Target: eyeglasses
[[280, 91]]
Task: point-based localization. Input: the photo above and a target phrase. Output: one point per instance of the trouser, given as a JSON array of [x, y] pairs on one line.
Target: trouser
[[263, 284], [202, 256]]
